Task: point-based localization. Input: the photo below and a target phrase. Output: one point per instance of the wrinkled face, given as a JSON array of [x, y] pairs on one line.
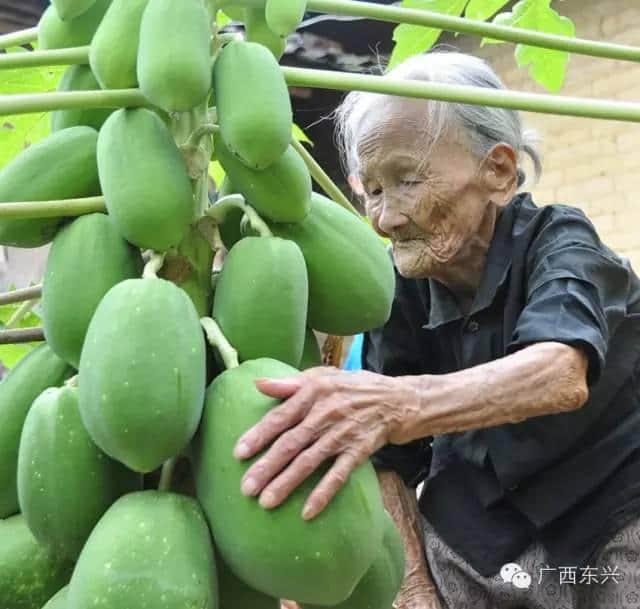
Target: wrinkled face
[[431, 207]]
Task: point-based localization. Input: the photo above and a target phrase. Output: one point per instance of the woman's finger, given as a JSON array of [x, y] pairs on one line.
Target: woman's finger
[[331, 483], [286, 448], [278, 388], [272, 424]]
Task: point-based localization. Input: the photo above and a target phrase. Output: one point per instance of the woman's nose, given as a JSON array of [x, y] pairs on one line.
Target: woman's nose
[[390, 218]]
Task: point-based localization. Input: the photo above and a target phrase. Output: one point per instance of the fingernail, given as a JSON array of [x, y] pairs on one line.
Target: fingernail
[[242, 451], [249, 487], [307, 512], [267, 499]]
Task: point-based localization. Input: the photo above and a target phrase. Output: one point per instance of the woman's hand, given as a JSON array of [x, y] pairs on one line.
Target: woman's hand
[[328, 413]]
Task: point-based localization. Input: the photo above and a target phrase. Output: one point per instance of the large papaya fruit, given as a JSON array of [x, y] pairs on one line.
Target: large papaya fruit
[[174, 62], [311, 354], [272, 324], [65, 483], [284, 16], [150, 549], [234, 593], [62, 166], [281, 192], [68, 9], [276, 551], [39, 369], [144, 179], [339, 247], [381, 583], [29, 572], [87, 258], [79, 78], [54, 33], [58, 600], [114, 47], [257, 133], [142, 373], [257, 30]]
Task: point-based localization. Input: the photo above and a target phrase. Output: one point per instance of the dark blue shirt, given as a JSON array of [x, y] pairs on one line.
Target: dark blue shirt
[[570, 479]]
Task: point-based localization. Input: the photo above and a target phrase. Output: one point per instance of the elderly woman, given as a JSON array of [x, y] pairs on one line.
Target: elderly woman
[[507, 377]]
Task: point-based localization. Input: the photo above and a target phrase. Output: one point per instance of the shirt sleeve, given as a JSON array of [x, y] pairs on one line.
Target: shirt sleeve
[[395, 350], [576, 290]]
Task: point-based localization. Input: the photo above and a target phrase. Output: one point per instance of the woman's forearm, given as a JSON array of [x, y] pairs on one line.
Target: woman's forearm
[[418, 590], [544, 378]]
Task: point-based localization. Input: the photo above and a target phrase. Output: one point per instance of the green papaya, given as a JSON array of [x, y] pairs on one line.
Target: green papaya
[[234, 593], [339, 247], [253, 104], [272, 325], [142, 373], [311, 354], [79, 78], [54, 33], [29, 572], [281, 192], [284, 16], [114, 48], [150, 549], [58, 600], [61, 166], [39, 369], [87, 258], [69, 9], [257, 30], [276, 551], [65, 483], [381, 583], [144, 179], [174, 62]]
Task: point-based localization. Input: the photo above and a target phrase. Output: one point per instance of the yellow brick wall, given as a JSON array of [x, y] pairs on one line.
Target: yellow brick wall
[[592, 164]]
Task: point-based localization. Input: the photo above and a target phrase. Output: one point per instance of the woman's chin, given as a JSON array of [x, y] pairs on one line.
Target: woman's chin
[[411, 263]]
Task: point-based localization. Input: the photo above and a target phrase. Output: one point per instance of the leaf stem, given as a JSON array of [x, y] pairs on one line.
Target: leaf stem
[[154, 265], [400, 14], [66, 100], [322, 178], [480, 96], [53, 209], [22, 311], [23, 335], [218, 340], [21, 295], [53, 57], [16, 39]]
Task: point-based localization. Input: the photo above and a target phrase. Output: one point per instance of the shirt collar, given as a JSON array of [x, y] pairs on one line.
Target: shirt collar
[[443, 306]]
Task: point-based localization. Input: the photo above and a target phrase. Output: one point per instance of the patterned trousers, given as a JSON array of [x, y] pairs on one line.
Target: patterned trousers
[[611, 580]]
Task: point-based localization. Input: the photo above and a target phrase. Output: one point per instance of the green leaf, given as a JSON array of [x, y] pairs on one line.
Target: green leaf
[[10, 355], [501, 19], [483, 9], [547, 67], [19, 131], [217, 173], [415, 39], [300, 135], [222, 19]]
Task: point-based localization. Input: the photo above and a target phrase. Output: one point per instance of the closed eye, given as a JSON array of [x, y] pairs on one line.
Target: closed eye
[[411, 182]]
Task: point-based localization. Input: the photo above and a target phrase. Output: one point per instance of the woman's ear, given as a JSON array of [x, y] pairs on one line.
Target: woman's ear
[[500, 172], [356, 184]]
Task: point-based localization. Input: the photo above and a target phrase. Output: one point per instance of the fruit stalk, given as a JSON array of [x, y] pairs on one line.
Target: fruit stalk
[[218, 340], [219, 211], [322, 179], [166, 474], [53, 209], [154, 265]]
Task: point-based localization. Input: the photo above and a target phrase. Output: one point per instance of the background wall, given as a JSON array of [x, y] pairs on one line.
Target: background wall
[[592, 164]]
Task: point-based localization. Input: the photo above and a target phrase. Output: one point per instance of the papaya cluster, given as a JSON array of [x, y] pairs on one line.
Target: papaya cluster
[[126, 385]]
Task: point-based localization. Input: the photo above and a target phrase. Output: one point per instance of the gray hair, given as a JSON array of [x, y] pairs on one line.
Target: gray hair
[[484, 126]]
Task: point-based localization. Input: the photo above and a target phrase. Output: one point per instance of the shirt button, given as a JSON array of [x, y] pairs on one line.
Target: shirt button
[[473, 326]]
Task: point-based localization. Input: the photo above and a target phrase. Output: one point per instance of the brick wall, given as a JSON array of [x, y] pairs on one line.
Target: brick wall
[[592, 164]]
